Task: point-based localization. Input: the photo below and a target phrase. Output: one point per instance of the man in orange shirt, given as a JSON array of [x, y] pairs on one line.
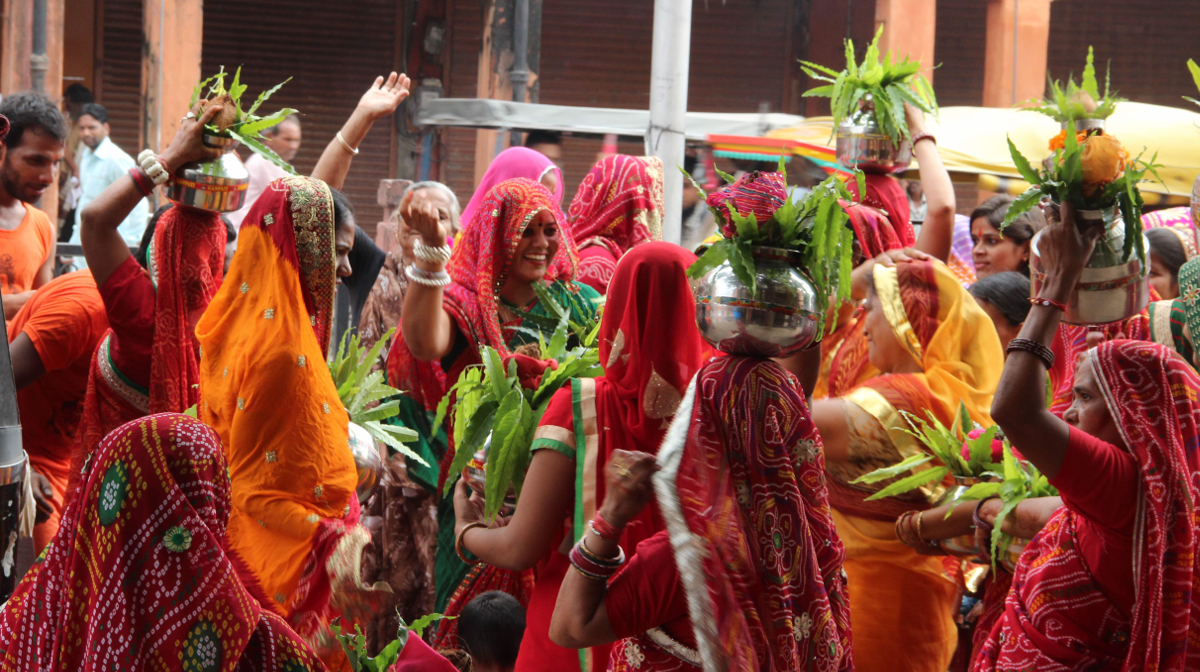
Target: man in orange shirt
[[29, 165], [52, 340]]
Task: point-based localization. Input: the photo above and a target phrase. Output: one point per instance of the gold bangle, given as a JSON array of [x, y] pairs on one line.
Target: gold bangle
[[458, 543]]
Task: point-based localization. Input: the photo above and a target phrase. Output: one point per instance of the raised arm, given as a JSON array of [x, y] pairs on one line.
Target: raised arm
[[379, 101], [428, 330], [103, 245], [937, 233], [1019, 406]]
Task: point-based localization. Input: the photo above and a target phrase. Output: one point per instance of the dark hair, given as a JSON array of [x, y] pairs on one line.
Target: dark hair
[[1008, 292], [1165, 245], [31, 110], [78, 93], [274, 130], [1021, 230], [543, 138], [95, 111], [342, 210], [490, 628]]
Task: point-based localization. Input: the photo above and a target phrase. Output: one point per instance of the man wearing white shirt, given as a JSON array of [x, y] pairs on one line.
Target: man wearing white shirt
[[100, 164], [284, 140]]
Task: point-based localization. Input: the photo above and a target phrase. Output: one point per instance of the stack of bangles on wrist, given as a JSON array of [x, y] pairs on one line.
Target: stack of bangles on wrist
[[592, 566], [151, 172], [909, 533], [434, 255], [980, 522], [1033, 347], [427, 278]]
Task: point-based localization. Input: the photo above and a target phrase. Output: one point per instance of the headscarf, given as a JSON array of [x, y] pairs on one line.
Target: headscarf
[[1153, 398], [138, 576], [742, 488], [267, 392], [365, 260], [872, 229], [1179, 222], [755, 193], [512, 163], [962, 259], [619, 204], [478, 267], [885, 193], [1168, 318]]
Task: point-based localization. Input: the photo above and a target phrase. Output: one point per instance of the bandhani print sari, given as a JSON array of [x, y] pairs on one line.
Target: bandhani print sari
[[266, 390], [138, 577], [742, 489], [619, 205], [1152, 395]]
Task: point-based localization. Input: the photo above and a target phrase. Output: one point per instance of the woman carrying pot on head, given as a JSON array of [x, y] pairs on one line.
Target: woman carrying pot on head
[[748, 574], [476, 296], [1173, 241], [265, 389], [650, 349], [1100, 585], [934, 347], [619, 205]]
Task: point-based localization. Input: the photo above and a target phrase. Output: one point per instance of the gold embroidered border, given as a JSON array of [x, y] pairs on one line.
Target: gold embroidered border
[[887, 285], [116, 383], [871, 401]]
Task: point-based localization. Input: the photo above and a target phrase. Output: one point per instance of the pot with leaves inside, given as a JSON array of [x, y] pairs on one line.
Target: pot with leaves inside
[[764, 287], [867, 104], [219, 185]]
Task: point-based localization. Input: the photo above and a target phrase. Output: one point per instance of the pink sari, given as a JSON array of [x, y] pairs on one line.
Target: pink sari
[[511, 163]]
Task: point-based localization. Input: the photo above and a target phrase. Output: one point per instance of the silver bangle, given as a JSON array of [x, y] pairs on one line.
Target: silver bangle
[[149, 163], [346, 144], [427, 278], [434, 255]]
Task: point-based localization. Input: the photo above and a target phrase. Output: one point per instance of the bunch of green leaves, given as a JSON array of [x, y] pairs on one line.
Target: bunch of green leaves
[[945, 446], [355, 646], [1068, 103], [879, 87], [1195, 70], [358, 387], [490, 400], [584, 332], [817, 227], [248, 126], [1062, 181]]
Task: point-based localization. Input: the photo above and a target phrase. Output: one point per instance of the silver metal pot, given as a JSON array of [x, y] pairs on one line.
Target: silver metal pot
[[367, 459], [1085, 124], [218, 185], [1109, 290], [475, 473], [781, 317], [861, 144]]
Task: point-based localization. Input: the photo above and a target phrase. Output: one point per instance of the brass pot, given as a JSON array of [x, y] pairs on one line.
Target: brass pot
[[218, 185]]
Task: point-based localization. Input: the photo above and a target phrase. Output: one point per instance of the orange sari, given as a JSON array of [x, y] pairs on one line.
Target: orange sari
[[266, 390]]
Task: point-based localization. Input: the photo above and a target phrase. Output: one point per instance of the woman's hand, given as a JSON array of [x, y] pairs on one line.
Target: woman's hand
[[384, 96], [1064, 250], [43, 496], [891, 257], [468, 508], [915, 119], [627, 476], [420, 214], [188, 144]]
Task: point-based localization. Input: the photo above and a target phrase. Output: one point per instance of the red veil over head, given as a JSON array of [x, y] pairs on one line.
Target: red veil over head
[[885, 193]]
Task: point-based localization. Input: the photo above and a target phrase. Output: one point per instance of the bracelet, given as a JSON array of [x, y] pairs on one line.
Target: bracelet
[[910, 535], [1049, 303], [154, 168], [458, 543], [434, 255], [978, 522], [603, 562], [923, 136], [604, 529], [1033, 347], [346, 144], [427, 278], [142, 182], [591, 566]]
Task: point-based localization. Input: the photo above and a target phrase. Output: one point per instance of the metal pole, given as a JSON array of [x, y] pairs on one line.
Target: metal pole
[[668, 103], [520, 69], [39, 63], [12, 470]]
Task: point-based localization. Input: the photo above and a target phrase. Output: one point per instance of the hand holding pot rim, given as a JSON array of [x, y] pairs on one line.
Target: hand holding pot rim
[[1064, 249]]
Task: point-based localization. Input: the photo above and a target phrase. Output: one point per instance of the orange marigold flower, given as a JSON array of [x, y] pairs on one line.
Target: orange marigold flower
[[1058, 141]]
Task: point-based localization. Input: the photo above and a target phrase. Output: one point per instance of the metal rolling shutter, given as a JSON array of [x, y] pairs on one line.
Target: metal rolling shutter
[[120, 87]]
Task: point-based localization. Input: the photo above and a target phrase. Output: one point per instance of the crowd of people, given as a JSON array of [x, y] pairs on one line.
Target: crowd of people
[[196, 503]]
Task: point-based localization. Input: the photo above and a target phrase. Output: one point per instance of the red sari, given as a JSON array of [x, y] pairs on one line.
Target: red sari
[[650, 349], [149, 313], [619, 205], [138, 577], [742, 489], [1055, 617]]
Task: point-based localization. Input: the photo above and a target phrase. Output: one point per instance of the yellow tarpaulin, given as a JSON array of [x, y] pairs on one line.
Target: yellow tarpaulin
[[973, 139]]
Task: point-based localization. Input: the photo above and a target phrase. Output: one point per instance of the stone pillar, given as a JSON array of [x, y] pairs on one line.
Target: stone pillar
[[174, 33], [1018, 33], [908, 30]]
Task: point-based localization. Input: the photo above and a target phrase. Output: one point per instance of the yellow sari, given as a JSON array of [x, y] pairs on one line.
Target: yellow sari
[[903, 603], [266, 390]]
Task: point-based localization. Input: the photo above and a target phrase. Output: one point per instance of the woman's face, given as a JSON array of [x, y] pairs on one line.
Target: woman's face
[[343, 243], [1161, 279], [884, 350], [538, 245], [1004, 329], [1089, 412], [994, 253]]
